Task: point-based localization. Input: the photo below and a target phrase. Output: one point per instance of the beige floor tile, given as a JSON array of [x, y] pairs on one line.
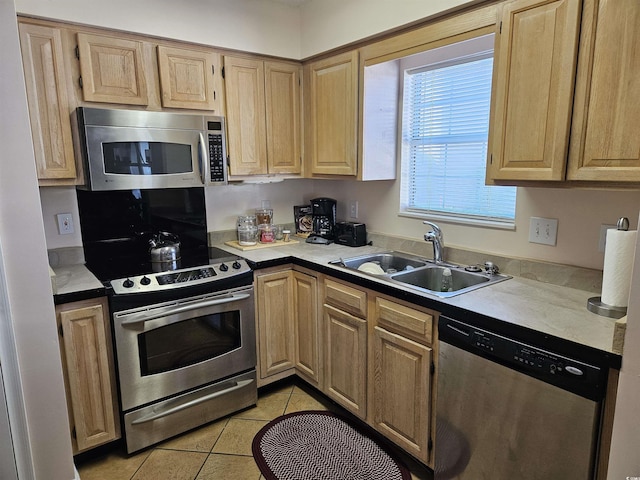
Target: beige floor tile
[[113, 466], [200, 440], [270, 406], [229, 467], [303, 401], [171, 464], [237, 436]]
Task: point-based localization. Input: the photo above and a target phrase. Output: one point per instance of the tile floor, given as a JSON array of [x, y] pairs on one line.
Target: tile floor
[[218, 451]]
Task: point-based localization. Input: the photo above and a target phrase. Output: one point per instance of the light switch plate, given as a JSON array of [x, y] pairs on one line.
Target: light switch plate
[[65, 223], [543, 230]]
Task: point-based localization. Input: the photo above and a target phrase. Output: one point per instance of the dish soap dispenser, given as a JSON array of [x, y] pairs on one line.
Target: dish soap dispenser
[[447, 283]]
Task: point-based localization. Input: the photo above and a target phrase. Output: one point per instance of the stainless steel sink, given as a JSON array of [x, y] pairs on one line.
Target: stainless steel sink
[[417, 273], [389, 262]]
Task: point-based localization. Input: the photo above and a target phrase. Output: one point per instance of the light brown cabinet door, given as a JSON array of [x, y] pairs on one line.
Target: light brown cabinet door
[[533, 90], [187, 78], [276, 325], [605, 142], [49, 109], [333, 115], [112, 69], [89, 370], [346, 360], [246, 127], [305, 301], [402, 392], [282, 91]]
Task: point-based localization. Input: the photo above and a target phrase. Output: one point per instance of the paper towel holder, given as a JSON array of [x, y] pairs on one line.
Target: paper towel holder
[[594, 304]]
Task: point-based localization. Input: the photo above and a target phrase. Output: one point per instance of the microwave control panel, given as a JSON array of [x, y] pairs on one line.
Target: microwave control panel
[[216, 158]]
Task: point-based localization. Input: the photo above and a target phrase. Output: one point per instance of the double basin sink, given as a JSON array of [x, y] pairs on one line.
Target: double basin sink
[[423, 275]]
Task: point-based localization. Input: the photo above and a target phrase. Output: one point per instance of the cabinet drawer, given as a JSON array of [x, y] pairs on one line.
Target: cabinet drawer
[[346, 298], [412, 323]]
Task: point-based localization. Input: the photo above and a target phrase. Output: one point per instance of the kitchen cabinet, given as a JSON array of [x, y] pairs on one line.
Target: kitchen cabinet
[[275, 319], [345, 374], [535, 59], [46, 80], [332, 115], [308, 355], [402, 375], [188, 78], [263, 116], [89, 372], [113, 70], [605, 141]]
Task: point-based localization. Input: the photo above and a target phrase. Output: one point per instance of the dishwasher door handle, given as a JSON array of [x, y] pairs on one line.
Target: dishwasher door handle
[[458, 330]]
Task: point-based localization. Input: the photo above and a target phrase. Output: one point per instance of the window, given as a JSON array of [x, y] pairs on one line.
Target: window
[[445, 125]]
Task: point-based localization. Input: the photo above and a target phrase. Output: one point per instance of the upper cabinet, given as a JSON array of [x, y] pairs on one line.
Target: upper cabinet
[[550, 125], [113, 70], [46, 82], [332, 115], [263, 116], [605, 142], [187, 78], [535, 60]]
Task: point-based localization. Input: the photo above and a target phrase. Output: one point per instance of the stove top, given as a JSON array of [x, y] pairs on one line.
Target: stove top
[[126, 275]]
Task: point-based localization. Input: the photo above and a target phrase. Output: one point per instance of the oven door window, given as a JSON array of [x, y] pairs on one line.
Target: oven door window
[[188, 342], [147, 158]]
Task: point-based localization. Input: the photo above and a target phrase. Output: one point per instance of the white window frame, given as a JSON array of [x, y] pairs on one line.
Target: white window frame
[[442, 56]]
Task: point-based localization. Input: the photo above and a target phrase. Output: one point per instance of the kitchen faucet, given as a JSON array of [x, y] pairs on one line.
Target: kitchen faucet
[[435, 237]]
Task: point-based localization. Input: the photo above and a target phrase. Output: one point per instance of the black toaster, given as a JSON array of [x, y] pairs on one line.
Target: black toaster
[[351, 234]]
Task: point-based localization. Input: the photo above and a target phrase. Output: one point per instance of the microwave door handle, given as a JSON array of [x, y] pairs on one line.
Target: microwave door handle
[[204, 160], [147, 316]]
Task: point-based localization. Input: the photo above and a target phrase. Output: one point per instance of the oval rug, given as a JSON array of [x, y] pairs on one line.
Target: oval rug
[[320, 445]]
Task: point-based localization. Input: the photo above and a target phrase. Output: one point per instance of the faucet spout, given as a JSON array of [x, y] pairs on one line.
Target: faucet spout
[[436, 238]]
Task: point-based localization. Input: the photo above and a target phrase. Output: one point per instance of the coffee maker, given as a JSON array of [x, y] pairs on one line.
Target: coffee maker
[[323, 215]]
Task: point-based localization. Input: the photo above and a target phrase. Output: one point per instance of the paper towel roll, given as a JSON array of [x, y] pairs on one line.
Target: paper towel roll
[[618, 262]]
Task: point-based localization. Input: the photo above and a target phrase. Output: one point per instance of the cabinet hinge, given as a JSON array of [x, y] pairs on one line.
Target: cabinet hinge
[[222, 72], [430, 444], [73, 433], [491, 159], [500, 27], [60, 331], [80, 82], [432, 368], [214, 94], [78, 52], [228, 161], [213, 69]]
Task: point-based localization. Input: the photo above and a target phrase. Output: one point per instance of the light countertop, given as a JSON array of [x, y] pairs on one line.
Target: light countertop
[[542, 307]]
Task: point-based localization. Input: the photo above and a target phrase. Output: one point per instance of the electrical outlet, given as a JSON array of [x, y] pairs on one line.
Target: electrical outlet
[[65, 223], [543, 230], [353, 209], [602, 242]]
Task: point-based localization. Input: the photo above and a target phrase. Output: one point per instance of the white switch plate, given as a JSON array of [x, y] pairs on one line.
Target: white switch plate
[[602, 242], [543, 230], [353, 209], [65, 223]]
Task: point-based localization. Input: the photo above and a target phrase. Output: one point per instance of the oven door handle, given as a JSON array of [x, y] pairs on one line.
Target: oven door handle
[[146, 316], [169, 411]]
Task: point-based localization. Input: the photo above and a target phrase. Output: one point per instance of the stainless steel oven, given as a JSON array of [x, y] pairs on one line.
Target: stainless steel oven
[[189, 359]]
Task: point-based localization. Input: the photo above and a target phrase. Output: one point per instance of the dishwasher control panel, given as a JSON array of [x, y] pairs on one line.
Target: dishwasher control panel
[[548, 366]]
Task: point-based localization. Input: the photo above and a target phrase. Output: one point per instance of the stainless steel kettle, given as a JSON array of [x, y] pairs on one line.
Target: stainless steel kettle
[[164, 249]]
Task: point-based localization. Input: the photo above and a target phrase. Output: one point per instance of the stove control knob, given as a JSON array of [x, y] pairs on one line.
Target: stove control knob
[[145, 280], [236, 265], [128, 283], [223, 267]]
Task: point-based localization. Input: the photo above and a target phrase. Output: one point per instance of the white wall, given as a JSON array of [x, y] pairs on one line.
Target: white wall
[[28, 293], [250, 25]]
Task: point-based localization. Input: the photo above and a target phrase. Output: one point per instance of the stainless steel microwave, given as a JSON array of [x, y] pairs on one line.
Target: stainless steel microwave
[[133, 149]]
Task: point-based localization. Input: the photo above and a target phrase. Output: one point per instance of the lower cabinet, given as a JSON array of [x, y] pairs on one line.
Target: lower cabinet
[[89, 372], [308, 355]]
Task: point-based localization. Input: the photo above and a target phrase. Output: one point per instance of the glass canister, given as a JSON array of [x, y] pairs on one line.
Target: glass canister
[[266, 233], [247, 230], [264, 216]]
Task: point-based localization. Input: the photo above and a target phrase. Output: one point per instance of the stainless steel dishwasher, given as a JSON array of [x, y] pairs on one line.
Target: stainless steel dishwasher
[[508, 410]]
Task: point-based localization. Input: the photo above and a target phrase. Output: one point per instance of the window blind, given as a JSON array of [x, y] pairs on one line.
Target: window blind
[[445, 133]]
